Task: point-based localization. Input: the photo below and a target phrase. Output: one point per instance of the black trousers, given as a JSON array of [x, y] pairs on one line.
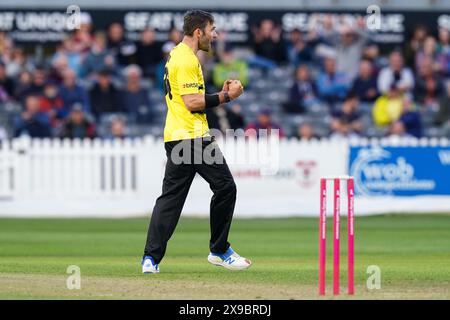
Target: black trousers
[[177, 181]]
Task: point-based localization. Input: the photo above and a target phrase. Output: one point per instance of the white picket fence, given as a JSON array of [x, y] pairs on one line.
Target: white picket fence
[[70, 168]]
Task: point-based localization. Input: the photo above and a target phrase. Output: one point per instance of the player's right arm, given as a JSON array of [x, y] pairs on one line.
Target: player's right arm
[[194, 100], [198, 101]]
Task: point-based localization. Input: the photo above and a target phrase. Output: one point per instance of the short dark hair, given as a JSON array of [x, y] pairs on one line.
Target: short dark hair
[[194, 19]]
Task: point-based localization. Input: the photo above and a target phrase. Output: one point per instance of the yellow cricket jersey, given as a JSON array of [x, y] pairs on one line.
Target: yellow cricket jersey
[[183, 75]]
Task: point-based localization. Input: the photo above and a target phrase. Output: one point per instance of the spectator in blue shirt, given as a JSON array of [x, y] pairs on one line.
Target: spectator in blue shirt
[[136, 101], [32, 122], [72, 93], [298, 49], [99, 57], [160, 67], [332, 85], [411, 119]]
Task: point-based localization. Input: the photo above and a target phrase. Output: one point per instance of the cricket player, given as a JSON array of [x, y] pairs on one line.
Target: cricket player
[[186, 129]]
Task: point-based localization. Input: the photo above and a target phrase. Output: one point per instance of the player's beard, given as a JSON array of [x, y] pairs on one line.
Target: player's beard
[[204, 44]]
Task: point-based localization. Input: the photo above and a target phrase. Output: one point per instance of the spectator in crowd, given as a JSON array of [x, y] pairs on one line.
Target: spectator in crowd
[[365, 84], [17, 62], [98, 58], [411, 119], [229, 68], [428, 86], [32, 122], [428, 53], [268, 45], [306, 131], [395, 74], [149, 53], [117, 129], [6, 83], [78, 125], [332, 85], [397, 130], [22, 86], [349, 43], [349, 113], [443, 51], [327, 29], [264, 122], [136, 101], [443, 45], [388, 107], [372, 53], [104, 96], [6, 45], [220, 45], [73, 93], [69, 51], [52, 104], [299, 51], [207, 61], [161, 67], [58, 67], [443, 114], [226, 118], [124, 51], [415, 44], [82, 38], [175, 37], [3, 95], [38, 82], [340, 129], [303, 92]]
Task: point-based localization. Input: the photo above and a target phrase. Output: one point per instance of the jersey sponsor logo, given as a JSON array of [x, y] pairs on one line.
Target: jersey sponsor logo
[[190, 85]]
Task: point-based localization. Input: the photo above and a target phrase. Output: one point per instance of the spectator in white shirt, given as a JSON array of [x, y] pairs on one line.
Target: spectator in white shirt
[[396, 73]]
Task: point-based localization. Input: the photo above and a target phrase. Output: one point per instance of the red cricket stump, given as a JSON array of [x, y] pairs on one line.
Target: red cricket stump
[[351, 236], [322, 235], [336, 236], [336, 233]]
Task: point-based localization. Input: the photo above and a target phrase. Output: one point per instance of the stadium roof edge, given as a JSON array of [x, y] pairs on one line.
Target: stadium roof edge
[[233, 4]]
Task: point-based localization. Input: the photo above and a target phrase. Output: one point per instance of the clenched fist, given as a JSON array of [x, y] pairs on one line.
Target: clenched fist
[[226, 85], [235, 89]]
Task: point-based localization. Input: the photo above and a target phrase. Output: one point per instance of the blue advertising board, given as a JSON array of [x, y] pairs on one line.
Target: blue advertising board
[[400, 171]]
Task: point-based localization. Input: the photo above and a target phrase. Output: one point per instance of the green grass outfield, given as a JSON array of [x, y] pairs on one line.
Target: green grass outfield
[[412, 251]]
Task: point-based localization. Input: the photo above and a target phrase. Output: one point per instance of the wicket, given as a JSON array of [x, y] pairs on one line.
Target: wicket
[[336, 233]]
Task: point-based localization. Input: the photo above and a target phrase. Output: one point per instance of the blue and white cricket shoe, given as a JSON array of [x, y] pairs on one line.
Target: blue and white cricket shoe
[[229, 260], [149, 265]]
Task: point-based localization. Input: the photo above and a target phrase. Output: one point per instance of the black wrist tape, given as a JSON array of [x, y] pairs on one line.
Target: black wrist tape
[[211, 100], [227, 97]]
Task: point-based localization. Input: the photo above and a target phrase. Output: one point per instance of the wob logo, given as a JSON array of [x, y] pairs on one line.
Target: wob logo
[[379, 172]]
